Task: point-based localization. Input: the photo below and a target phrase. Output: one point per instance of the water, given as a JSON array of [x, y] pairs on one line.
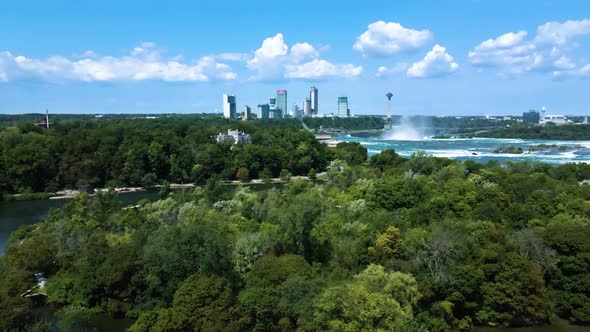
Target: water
[[477, 149], [14, 214]]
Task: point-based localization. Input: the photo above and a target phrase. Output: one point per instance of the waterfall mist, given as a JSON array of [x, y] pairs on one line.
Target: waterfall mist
[[410, 129]]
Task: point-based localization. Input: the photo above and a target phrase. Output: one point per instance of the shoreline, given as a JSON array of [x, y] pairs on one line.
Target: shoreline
[[71, 194]]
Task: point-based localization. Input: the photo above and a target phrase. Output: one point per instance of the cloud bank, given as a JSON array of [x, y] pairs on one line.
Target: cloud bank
[[548, 52], [144, 62]]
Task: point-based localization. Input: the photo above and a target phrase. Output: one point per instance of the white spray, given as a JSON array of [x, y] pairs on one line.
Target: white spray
[[410, 129]]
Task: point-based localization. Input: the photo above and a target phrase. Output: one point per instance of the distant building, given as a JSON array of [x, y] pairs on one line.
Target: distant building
[[531, 117], [275, 113], [273, 102], [282, 101], [247, 113], [234, 137], [343, 110], [307, 111], [554, 119], [313, 95], [263, 111], [296, 112], [229, 106]]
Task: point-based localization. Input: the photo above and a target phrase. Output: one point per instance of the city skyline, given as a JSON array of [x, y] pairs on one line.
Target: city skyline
[[457, 58]]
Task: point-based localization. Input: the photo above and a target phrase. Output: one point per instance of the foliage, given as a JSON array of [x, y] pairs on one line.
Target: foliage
[[118, 151], [565, 132], [392, 244]]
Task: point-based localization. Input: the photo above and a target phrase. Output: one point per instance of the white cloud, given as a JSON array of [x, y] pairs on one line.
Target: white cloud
[[275, 60], [143, 63], [504, 41], [511, 54], [267, 58], [562, 33], [580, 73], [386, 39], [303, 52], [317, 69], [436, 63], [233, 56], [384, 71]]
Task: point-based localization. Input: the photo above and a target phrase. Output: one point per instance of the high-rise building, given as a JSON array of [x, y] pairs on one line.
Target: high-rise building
[[531, 117], [273, 102], [263, 111], [307, 111], [282, 101], [246, 116], [296, 112], [313, 95], [275, 113], [343, 110], [229, 106]]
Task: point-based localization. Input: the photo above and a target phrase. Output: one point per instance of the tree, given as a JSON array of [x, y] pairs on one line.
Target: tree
[[277, 288], [285, 175], [371, 302], [243, 174], [312, 174], [202, 303], [165, 190], [387, 244]]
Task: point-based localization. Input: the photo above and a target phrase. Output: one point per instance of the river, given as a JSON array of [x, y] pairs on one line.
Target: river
[[14, 214], [477, 149]]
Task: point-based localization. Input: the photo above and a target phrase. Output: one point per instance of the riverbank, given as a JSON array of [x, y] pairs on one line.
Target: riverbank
[[70, 194]]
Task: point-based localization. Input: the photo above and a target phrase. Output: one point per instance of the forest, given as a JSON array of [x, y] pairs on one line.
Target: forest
[[81, 153], [554, 132], [374, 244]]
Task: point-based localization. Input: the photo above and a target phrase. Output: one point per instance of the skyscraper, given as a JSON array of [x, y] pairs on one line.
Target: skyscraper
[[246, 116], [307, 111], [263, 111], [343, 110], [229, 106], [282, 101], [296, 112], [313, 95], [531, 117]]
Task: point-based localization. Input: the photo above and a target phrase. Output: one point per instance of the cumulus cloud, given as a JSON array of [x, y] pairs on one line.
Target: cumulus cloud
[[144, 62], [513, 54], [303, 52], [557, 33], [317, 69], [386, 39], [503, 42], [275, 59], [436, 63]]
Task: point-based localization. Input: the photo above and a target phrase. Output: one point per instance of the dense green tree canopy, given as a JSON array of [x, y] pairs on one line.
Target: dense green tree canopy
[[388, 244]]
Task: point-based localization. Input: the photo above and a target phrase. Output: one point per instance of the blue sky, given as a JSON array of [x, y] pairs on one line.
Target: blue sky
[[446, 57]]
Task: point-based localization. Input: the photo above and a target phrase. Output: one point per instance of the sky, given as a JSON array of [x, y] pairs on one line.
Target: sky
[[444, 57]]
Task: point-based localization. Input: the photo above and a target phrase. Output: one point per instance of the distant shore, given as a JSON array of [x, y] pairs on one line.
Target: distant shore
[[71, 194]]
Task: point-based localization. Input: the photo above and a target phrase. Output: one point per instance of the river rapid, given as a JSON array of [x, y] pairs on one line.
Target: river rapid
[[477, 149]]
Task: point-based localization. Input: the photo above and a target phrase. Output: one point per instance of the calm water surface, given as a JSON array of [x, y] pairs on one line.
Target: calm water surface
[[14, 214]]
